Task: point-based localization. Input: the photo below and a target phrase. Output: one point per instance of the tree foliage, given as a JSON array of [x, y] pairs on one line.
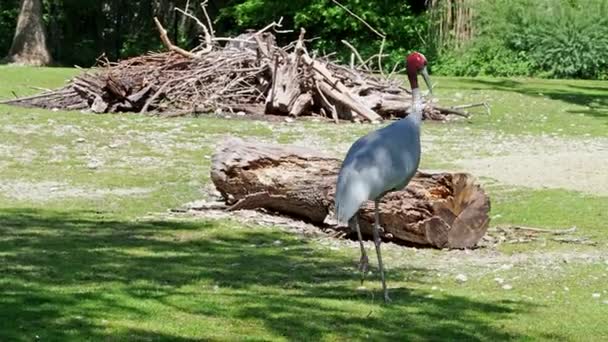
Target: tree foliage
[[547, 38]]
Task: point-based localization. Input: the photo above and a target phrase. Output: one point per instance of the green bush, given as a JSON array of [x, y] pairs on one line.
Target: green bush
[[546, 38], [485, 57]]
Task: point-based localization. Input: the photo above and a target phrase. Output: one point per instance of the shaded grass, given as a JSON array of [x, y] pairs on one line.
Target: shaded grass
[[70, 274]]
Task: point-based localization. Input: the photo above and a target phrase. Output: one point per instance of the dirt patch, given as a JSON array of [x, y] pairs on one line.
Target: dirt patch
[[529, 161], [584, 172]]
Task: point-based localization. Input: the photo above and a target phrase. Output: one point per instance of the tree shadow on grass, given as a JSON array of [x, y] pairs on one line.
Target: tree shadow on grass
[[594, 98], [66, 273]]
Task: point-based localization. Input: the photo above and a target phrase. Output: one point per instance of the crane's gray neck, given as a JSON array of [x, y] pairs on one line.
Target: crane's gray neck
[[417, 106]]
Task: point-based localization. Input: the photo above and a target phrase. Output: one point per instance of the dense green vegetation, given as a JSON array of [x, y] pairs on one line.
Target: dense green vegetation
[[547, 38]]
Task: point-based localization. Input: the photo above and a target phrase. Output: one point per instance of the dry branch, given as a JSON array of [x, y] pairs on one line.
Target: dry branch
[[167, 42]]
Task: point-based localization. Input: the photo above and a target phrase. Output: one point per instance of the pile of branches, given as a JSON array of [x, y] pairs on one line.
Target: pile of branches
[[249, 74]]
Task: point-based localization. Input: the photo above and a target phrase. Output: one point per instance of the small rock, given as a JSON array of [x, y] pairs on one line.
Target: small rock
[[227, 117], [55, 109], [596, 295], [507, 287], [113, 146], [93, 165], [461, 278], [500, 281], [277, 243], [81, 140], [240, 113]]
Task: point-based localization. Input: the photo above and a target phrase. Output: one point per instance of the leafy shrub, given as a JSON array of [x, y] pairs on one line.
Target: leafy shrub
[[547, 38], [483, 57]]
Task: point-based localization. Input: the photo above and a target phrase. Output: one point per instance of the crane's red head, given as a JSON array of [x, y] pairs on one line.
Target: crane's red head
[[416, 63]]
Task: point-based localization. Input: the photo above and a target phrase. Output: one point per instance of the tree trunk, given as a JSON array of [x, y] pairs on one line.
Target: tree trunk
[[29, 44], [439, 210]]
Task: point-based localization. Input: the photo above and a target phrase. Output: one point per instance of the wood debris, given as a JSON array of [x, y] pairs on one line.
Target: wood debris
[[520, 234], [250, 73]]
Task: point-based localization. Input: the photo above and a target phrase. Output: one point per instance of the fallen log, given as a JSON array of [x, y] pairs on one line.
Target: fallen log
[[440, 210]]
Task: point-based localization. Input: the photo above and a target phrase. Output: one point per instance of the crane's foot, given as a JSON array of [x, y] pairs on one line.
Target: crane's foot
[[387, 299], [363, 264], [363, 267]]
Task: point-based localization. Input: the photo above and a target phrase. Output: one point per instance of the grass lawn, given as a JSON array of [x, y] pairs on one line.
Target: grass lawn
[[88, 251]]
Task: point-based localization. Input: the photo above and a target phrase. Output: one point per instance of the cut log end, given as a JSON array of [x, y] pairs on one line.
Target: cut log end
[[443, 210]]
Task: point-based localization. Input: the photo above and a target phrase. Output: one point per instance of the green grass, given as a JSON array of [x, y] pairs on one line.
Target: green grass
[[113, 266], [533, 106]]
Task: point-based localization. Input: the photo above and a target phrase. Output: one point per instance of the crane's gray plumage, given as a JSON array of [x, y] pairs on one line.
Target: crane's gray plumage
[[382, 161]]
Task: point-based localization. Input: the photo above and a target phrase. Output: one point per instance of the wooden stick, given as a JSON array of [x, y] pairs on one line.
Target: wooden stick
[[381, 35], [356, 54], [394, 69], [208, 44], [380, 57], [452, 111], [167, 42], [269, 26], [484, 104], [209, 22], [542, 230], [334, 112]]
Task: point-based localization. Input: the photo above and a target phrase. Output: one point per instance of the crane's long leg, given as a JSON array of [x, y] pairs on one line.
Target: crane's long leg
[[364, 261], [377, 243]]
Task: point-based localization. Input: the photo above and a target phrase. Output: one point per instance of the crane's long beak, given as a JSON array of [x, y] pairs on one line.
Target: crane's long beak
[[427, 80]]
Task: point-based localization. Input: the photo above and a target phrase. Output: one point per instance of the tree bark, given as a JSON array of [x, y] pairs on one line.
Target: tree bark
[[29, 45], [439, 210]]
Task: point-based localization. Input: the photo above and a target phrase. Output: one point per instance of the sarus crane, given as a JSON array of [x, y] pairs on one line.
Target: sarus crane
[[384, 160]]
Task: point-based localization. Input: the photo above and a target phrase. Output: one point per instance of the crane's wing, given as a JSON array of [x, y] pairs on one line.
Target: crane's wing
[[379, 162]]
